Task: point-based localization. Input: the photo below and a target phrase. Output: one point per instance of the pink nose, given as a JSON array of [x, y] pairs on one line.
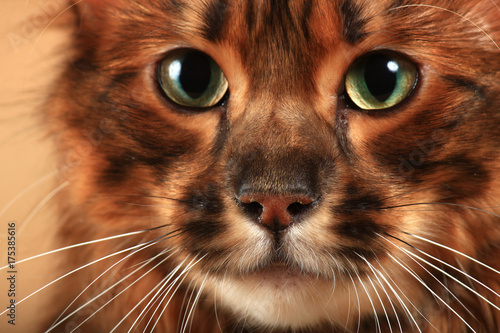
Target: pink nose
[[276, 212]]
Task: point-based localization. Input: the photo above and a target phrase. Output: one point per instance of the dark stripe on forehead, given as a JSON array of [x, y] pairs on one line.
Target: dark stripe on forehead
[[306, 14], [278, 49], [173, 6], [353, 21], [214, 19], [250, 16], [280, 12], [278, 18]]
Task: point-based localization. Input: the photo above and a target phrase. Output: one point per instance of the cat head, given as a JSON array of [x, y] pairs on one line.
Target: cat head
[[305, 159]]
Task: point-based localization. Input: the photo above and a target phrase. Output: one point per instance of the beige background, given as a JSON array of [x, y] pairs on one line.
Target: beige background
[[32, 48]]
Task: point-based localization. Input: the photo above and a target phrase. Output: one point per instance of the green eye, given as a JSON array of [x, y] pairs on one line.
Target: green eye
[[380, 80], [191, 78]]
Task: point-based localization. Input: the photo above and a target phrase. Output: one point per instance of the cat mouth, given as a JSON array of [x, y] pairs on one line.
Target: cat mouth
[[278, 276], [279, 270]]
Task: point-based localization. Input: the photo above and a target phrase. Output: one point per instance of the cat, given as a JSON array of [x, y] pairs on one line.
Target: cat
[[278, 166]]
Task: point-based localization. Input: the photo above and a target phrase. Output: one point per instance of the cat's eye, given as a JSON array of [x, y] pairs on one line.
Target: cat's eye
[[191, 78], [380, 80]]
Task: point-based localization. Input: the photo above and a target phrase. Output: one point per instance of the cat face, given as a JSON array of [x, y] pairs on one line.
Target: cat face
[[297, 164]]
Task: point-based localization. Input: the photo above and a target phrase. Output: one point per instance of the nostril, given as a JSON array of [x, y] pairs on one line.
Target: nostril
[[254, 209], [297, 208]]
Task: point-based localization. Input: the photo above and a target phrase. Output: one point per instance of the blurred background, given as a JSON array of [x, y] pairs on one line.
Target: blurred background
[[33, 46], [31, 52]]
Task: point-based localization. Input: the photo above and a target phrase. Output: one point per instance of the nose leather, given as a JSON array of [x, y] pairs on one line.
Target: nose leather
[[277, 211]]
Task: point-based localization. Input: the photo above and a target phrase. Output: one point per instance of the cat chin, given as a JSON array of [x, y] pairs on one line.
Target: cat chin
[[283, 299]]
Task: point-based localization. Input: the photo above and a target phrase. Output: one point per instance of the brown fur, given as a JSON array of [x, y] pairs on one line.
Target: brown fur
[[426, 168]]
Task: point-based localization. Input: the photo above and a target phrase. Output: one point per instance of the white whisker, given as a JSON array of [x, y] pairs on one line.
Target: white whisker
[[451, 12], [376, 273], [449, 292], [371, 302], [74, 271], [78, 245], [162, 294], [333, 272], [27, 189], [158, 286], [108, 289], [217, 320], [190, 315], [356, 292], [431, 291], [184, 274], [400, 300], [41, 204], [455, 251], [348, 316], [151, 243], [184, 305], [381, 303], [482, 209], [162, 284], [454, 278], [406, 297]]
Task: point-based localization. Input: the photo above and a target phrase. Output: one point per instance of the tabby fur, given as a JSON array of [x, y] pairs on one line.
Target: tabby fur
[[404, 232]]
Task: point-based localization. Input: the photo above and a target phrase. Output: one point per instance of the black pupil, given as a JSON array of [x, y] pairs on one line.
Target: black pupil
[[195, 74], [379, 77]]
